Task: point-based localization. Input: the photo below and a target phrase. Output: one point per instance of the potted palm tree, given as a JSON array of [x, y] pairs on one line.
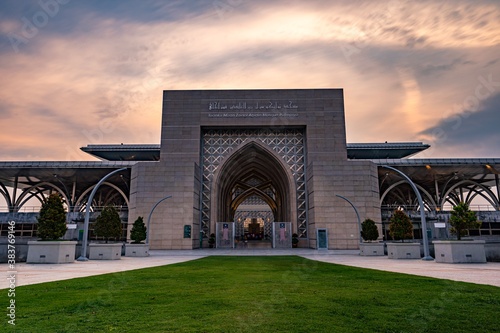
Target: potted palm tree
[[401, 228], [138, 234], [370, 246], [109, 226], [51, 228], [459, 250]]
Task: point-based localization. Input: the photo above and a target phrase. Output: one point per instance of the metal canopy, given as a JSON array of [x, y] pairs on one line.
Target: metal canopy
[[151, 152], [393, 150], [441, 181], [30, 173], [121, 152], [72, 179]]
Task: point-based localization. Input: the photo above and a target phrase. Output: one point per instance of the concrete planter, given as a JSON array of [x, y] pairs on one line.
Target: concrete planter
[[51, 252], [136, 250], [492, 249], [111, 251], [454, 252], [371, 249], [403, 251]]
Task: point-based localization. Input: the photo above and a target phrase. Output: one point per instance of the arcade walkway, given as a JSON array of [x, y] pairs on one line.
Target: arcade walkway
[[474, 273]]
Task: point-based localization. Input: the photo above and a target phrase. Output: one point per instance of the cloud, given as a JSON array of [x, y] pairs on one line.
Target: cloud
[[436, 68], [100, 63], [475, 132], [5, 112]]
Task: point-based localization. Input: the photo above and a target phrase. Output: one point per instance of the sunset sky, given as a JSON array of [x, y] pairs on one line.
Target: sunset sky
[[76, 72]]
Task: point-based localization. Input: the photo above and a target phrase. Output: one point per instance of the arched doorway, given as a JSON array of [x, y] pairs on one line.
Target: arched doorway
[[254, 189]]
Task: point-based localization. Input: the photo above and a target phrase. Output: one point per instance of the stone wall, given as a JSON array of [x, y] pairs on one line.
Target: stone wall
[[319, 111]]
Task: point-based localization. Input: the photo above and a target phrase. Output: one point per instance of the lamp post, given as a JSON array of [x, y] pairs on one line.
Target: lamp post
[[149, 217], [422, 212], [357, 215], [83, 256]]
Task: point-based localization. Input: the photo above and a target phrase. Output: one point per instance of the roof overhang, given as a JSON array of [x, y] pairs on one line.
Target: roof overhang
[[392, 150], [151, 152]]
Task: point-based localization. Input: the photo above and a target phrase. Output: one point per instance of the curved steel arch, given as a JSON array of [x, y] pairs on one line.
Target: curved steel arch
[[453, 199], [484, 188], [6, 195], [84, 193], [473, 192], [427, 194], [38, 195], [28, 194], [399, 197]]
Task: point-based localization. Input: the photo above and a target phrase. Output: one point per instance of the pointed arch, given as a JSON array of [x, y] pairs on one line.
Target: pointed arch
[[253, 159]]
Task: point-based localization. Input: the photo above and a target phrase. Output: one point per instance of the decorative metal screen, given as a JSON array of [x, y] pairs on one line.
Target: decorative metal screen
[[287, 143]]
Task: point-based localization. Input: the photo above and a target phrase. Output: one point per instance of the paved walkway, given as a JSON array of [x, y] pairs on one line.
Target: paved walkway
[[38, 273]]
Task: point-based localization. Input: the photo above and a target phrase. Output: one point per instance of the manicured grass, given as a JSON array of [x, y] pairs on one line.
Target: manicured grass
[[256, 294]]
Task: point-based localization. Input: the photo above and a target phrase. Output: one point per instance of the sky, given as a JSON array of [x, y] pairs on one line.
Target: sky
[[76, 72]]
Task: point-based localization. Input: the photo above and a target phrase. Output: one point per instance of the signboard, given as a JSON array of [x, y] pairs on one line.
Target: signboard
[[187, 231], [322, 239], [440, 225]]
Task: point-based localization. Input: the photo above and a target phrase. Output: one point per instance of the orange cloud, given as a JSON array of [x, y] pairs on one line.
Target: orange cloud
[[103, 82]]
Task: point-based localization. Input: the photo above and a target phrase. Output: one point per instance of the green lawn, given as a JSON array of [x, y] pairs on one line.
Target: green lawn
[[256, 294]]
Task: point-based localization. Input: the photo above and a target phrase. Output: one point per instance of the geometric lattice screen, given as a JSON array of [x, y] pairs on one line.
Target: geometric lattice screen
[[287, 143]]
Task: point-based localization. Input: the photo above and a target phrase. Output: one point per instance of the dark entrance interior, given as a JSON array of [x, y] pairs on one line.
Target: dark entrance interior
[[253, 192]]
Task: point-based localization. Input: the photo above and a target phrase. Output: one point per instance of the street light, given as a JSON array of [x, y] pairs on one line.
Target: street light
[[422, 212], [149, 218], [357, 215], [83, 256]]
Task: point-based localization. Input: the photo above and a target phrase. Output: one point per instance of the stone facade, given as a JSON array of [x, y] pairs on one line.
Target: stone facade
[[319, 113]]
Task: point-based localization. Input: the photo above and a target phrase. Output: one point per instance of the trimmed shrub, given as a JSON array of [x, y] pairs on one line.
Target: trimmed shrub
[[108, 224], [138, 232], [400, 226], [462, 219], [369, 230], [52, 219]]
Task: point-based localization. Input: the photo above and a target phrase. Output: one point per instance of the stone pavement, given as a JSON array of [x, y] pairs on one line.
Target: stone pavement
[[38, 273]]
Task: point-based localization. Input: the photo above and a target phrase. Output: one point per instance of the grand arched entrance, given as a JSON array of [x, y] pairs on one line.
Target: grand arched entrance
[[253, 190], [253, 177], [253, 172]]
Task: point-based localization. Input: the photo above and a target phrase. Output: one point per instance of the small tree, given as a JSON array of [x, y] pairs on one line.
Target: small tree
[[108, 224], [211, 240], [463, 219], [138, 232], [52, 220], [369, 230], [400, 226]]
